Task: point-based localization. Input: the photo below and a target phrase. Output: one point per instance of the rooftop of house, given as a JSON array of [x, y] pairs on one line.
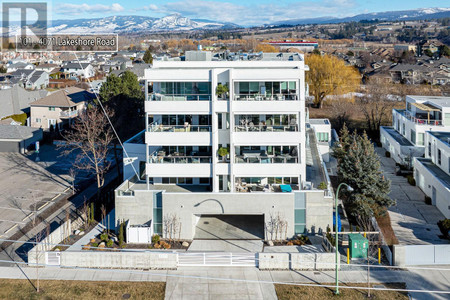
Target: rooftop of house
[[16, 99], [442, 136], [436, 171], [319, 121], [441, 101], [398, 137], [68, 97], [16, 132], [76, 66]]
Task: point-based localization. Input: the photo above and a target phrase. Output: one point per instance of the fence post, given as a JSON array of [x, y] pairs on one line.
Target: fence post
[[348, 256], [204, 258], [231, 258]]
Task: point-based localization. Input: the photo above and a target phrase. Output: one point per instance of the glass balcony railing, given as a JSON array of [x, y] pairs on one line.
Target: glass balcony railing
[[285, 159], [180, 159], [260, 97], [419, 120], [265, 128], [179, 128], [179, 97]]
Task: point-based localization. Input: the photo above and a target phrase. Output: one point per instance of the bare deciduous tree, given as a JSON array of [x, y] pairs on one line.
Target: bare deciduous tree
[[276, 227], [90, 137], [172, 226], [376, 105]]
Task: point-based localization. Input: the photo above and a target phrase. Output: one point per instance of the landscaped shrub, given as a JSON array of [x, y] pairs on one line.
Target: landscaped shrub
[[411, 179], [155, 239], [109, 243], [427, 200], [388, 154], [164, 245], [444, 226], [104, 237], [322, 186], [121, 234], [94, 244]]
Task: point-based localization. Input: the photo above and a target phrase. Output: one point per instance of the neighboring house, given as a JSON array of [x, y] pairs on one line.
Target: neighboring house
[[47, 67], [405, 47], [19, 65], [405, 139], [76, 69], [16, 138], [432, 45], [16, 100], [30, 79], [59, 108], [262, 123], [432, 173], [407, 73]]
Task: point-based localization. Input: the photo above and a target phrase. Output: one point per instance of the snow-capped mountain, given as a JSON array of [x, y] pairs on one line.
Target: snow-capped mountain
[[403, 15], [124, 24]]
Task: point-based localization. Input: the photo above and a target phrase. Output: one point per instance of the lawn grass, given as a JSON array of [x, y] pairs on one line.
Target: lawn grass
[[55, 289], [288, 292]]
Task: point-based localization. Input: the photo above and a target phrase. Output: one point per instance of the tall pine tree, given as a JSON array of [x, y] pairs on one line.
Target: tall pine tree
[[359, 167]]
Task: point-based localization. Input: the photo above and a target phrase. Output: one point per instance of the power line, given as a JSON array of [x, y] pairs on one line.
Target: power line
[[107, 117], [257, 259], [234, 280]]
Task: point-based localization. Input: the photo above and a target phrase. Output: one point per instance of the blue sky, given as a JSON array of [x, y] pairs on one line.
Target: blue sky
[[243, 12]]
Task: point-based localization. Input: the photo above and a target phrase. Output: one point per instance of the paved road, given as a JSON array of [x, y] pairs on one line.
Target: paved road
[[241, 282], [413, 221]]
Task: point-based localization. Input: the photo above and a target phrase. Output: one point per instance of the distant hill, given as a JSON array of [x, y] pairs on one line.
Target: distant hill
[[402, 15]]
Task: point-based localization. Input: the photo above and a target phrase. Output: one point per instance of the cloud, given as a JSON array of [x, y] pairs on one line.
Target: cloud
[[255, 14], [77, 9]]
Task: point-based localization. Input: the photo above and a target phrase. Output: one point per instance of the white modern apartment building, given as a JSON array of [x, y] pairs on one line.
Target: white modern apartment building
[[432, 173], [239, 153], [405, 139]]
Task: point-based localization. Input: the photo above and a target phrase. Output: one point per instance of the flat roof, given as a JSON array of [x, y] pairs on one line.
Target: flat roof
[[170, 188], [398, 137], [442, 136], [319, 121], [436, 171]]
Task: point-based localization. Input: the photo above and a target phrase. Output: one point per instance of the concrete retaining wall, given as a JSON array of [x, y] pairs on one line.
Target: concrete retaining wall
[[119, 260], [416, 255], [273, 261], [296, 261], [303, 261]]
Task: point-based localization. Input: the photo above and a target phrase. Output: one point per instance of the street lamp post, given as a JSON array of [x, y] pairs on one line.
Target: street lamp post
[[349, 188]]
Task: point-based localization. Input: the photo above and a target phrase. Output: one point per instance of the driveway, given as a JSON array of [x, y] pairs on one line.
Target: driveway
[[413, 221]]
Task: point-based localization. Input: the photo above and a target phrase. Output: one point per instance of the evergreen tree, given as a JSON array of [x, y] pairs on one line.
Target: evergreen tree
[[148, 57], [111, 88], [121, 234], [359, 167]]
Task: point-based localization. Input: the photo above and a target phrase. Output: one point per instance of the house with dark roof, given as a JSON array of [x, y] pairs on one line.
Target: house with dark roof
[[29, 79], [16, 138], [16, 100], [59, 108]]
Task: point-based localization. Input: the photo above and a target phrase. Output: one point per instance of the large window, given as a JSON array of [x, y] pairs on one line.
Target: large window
[[413, 136], [420, 139], [322, 137], [439, 157], [185, 88], [299, 213]]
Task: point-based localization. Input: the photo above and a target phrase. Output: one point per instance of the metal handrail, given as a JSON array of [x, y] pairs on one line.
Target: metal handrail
[[419, 121]]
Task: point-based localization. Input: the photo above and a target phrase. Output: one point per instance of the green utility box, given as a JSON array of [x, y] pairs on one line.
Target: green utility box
[[358, 245]]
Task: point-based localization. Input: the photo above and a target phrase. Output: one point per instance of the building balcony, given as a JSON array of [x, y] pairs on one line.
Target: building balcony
[[184, 107], [266, 128], [178, 135], [266, 169], [419, 119], [68, 114], [180, 160], [177, 168], [284, 159], [178, 97], [261, 97]]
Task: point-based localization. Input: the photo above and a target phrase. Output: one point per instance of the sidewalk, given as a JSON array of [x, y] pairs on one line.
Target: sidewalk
[[413, 221], [240, 282]]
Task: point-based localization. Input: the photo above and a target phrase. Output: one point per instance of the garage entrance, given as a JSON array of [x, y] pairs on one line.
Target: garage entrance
[[230, 227]]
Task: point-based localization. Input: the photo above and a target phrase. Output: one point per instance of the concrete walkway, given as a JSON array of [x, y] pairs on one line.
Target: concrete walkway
[[241, 282], [413, 221]]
